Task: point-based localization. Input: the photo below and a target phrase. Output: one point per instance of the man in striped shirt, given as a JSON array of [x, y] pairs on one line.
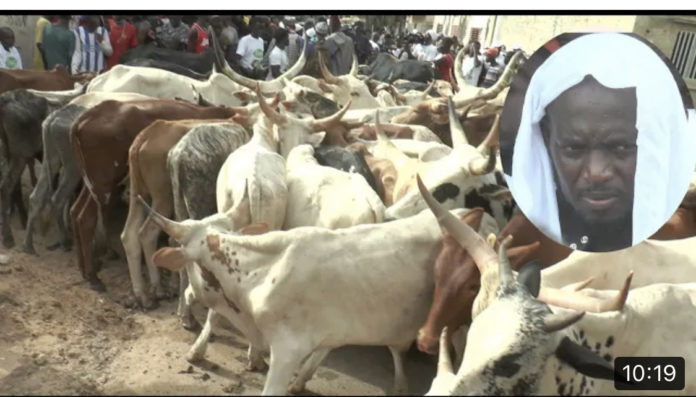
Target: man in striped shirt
[[92, 46]]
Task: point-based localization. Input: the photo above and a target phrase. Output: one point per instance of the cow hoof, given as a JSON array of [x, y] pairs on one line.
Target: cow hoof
[[67, 245], [194, 357], [97, 285], [259, 366], [148, 304], [29, 249], [190, 324], [8, 242], [53, 246], [297, 388]]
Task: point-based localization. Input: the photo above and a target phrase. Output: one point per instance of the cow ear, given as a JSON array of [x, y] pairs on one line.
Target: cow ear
[[170, 258], [316, 139], [530, 277], [254, 229], [287, 105], [584, 360], [522, 254]]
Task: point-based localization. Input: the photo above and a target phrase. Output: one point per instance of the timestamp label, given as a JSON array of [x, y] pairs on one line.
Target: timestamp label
[[649, 373]]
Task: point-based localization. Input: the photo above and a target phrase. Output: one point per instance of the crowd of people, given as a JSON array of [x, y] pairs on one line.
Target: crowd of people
[[260, 47]]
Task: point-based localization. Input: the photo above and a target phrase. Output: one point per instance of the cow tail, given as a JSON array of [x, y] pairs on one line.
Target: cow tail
[[255, 197], [81, 165], [48, 149]]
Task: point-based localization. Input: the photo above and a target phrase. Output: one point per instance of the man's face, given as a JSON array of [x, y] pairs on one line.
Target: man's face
[[7, 39], [590, 132], [256, 29]]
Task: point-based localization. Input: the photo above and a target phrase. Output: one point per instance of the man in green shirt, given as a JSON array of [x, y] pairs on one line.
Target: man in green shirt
[[58, 43]]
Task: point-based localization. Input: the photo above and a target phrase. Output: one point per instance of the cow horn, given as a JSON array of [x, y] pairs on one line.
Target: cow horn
[[456, 128], [458, 75], [444, 362], [176, 230], [558, 321], [272, 115], [326, 122], [504, 268], [427, 90], [328, 77], [482, 254], [354, 66], [271, 86], [492, 137], [505, 78], [578, 286], [577, 301]]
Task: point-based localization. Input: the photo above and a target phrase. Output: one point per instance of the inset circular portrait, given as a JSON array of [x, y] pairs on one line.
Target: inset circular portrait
[[597, 140]]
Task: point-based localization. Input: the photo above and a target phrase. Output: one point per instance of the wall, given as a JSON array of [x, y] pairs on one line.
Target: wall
[[23, 27], [532, 31], [662, 31]]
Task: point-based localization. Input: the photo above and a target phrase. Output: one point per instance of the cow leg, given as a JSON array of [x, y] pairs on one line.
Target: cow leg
[[400, 381], [197, 351], [37, 201], [255, 361], [149, 234], [32, 172], [87, 222], [133, 249], [308, 369], [76, 209], [60, 199], [18, 201], [8, 190], [287, 353], [188, 321]]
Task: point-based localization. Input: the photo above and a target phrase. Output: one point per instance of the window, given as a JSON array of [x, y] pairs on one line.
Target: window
[[475, 32], [684, 54]]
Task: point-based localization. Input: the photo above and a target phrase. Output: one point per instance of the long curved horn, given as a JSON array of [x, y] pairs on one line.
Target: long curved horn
[[458, 67], [577, 301], [482, 254], [269, 87], [176, 230], [504, 268], [444, 362], [456, 128], [505, 78], [354, 66], [326, 122], [328, 77], [492, 139], [427, 90], [272, 115]]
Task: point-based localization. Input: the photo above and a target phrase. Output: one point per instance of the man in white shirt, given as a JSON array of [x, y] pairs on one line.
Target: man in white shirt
[[92, 46], [9, 56], [278, 59], [429, 51], [250, 50]]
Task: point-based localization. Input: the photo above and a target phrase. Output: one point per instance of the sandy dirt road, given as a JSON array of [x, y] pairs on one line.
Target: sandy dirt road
[[57, 336]]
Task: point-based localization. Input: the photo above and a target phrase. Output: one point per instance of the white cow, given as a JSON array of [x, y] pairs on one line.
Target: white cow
[[450, 178], [158, 83], [327, 197], [307, 295], [540, 351]]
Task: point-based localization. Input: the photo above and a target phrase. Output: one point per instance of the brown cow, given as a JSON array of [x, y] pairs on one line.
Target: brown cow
[[383, 171], [149, 178], [57, 79], [100, 140]]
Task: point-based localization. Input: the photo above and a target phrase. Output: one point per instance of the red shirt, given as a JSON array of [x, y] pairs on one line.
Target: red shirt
[[202, 43], [122, 40], [445, 65]]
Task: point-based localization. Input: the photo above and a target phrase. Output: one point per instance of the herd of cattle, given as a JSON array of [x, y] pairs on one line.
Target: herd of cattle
[[301, 210]]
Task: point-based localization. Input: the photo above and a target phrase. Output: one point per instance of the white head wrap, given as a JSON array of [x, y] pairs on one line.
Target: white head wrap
[[666, 140]]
